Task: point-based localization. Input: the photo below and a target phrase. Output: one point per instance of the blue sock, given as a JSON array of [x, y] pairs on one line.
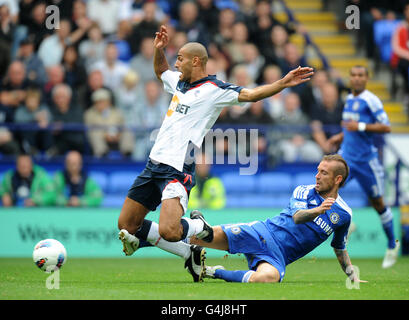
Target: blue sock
[[233, 276], [387, 225]]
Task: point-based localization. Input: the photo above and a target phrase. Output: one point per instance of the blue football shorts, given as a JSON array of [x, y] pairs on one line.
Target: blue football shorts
[[370, 176], [257, 247]]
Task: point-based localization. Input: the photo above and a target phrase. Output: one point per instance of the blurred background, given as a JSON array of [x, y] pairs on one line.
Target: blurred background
[[82, 101]]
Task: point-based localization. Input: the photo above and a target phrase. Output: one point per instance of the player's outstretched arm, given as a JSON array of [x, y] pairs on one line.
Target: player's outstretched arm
[[293, 78], [346, 265], [160, 64]]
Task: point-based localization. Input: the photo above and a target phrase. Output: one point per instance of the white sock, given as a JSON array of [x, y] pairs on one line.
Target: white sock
[[179, 248], [195, 227]]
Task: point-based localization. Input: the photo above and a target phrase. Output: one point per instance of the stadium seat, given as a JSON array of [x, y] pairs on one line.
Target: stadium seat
[[235, 183], [113, 201], [121, 181], [275, 182], [101, 178], [304, 179]]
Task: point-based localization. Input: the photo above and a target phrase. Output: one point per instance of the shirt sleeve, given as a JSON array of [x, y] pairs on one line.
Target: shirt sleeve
[[299, 199], [339, 241], [170, 80], [226, 95], [376, 107]]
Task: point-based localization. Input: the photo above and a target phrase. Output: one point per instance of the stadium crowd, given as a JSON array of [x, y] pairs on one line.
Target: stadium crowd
[[90, 86]]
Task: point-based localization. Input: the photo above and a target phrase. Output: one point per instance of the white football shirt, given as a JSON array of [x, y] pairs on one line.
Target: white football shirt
[[192, 112]]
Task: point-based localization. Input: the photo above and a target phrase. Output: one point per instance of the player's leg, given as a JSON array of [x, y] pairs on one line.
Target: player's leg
[[219, 241], [265, 273], [172, 226]]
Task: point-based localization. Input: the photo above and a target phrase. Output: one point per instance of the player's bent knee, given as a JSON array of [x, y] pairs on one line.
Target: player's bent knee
[[169, 234], [264, 277]]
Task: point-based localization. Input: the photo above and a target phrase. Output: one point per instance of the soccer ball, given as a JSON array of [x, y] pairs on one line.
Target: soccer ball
[[49, 255]]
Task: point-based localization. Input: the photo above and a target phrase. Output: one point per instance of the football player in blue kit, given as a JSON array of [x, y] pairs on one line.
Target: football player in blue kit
[[313, 214], [363, 117]]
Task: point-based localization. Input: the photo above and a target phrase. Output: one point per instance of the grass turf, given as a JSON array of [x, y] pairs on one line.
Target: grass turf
[[165, 279]]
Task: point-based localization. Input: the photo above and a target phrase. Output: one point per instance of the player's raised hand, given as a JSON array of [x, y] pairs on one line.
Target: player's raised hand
[[161, 38], [327, 204], [298, 76]]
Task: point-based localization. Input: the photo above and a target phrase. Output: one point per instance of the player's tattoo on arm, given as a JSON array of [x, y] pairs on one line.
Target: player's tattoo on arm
[[345, 262], [306, 215], [160, 64]]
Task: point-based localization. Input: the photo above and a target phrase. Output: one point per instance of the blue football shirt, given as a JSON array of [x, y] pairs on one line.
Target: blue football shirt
[[296, 240], [367, 108]]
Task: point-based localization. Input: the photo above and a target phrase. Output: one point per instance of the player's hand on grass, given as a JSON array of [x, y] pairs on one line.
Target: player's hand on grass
[[161, 38], [298, 76]]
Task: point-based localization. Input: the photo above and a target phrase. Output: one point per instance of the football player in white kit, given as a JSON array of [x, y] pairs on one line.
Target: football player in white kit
[[198, 99]]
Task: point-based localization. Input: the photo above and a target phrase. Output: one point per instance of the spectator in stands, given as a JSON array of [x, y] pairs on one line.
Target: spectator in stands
[[105, 13], [253, 60], [121, 40], [34, 66], [145, 27], [7, 27], [208, 15], [275, 104], [143, 61], [33, 112], [329, 114], [112, 69], [292, 59], [190, 24], [128, 98], [67, 122], [294, 139], [311, 94], [92, 49], [14, 87], [52, 48], [36, 22], [209, 191], [75, 73], [27, 185], [135, 11], [8, 144], [110, 120], [256, 115], [74, 187], [274, 50], [56, 75], [150, 113], [400, 49], [235, 47], [95, 82], [227, 18], [79, 19]]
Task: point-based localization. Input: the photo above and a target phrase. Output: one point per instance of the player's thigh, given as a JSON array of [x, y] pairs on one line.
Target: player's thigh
[[132, 215], [370, 176], [219, 241], [265, 273]]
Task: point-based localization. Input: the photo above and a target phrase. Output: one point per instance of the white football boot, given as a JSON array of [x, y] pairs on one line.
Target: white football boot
[[391, 256], [195, 263], [210, 270], [129, 242]]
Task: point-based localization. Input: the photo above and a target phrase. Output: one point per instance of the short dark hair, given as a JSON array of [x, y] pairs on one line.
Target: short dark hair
[[342, 169], [359, 66]]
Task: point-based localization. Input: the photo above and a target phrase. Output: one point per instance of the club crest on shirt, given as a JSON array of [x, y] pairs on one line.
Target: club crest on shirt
[[334, 217]]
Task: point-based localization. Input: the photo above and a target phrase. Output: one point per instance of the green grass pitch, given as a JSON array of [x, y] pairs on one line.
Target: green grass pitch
[[165, 279]]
